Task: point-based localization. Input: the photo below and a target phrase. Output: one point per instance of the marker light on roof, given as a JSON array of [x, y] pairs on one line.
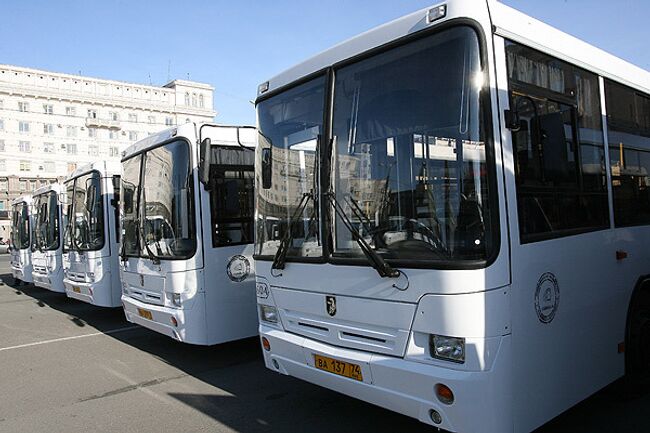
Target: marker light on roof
[[437, 13]]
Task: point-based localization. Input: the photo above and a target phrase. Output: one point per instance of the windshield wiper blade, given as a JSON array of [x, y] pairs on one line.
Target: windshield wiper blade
[[280, 257], [376, 261]]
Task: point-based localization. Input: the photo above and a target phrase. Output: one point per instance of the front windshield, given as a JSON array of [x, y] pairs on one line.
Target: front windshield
[[20, 226], [410, 165], [46, 232], [159, 217], [168, 206], [290, 125], [409, 162], [85, 230]]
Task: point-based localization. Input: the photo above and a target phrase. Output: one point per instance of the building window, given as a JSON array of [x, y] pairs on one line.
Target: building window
[[32, 185], [112, 115], [113, 151], [25, 146], [48, 147], [2, 124], [187, 98], [48, 129], [2, 104], [193, 99], [152, 119], [23, 127], [169, 121], [113, 135], [25, 166], [71, 131], [92, 132], [93, 150], [92, 114], [23, 107], [133, 135], [3, 165], [2, 145], [201, 103], [4, 185], [23, 184], [48, 109], [49, 166], [70, 111], [133, 117], [71, 167], [72, 148]]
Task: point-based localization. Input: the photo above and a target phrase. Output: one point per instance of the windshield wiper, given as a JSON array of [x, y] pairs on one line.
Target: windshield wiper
[[280, 257], [153, 257], [376, 261]]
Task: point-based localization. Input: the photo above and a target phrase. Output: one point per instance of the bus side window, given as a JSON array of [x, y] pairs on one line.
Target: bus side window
[[232, 195], [559, 148], [116, 206], [628, 126]]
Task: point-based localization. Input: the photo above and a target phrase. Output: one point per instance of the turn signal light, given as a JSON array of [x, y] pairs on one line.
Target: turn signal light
[[444, 394], [174, 321], [266, 344]]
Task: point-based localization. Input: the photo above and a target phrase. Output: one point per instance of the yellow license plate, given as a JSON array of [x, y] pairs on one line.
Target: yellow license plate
[[76, 289], [342, 368], [145, 313]]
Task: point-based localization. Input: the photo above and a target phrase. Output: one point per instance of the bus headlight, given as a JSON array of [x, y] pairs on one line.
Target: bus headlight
[[448, 348], [90, 276], [176, 299], [268, 314]]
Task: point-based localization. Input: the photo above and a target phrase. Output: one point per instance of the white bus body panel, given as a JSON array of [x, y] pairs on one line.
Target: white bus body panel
[[519, 372], [21, 259], [214, 308], [48, 265], [105, 289]]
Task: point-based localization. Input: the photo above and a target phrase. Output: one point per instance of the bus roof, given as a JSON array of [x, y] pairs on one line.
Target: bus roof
[[219, 134], [508, 22], [104, 167], [22, 199], [56, 187]]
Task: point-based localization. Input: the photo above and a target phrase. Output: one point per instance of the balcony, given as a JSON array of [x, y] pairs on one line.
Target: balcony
[[94, 122]]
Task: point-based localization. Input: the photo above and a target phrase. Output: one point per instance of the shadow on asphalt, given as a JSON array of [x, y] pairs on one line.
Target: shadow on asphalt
[[250, 398]]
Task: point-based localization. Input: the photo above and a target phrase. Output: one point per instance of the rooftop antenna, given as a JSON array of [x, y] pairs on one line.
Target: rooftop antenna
[[150, 79], [188, 76]]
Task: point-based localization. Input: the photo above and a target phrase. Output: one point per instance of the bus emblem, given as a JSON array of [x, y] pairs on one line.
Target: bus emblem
[[238, 268], [547, 297], [330, 305]]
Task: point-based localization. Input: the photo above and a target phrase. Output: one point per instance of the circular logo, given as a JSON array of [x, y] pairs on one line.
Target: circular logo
[[547, 297], [238, 268]]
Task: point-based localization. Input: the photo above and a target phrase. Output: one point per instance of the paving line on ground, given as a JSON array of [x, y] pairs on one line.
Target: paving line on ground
[[74, 337]]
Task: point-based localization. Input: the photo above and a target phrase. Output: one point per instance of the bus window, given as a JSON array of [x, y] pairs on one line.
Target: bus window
[[628, 122], [231, 196], [558, 148], [116, 206]]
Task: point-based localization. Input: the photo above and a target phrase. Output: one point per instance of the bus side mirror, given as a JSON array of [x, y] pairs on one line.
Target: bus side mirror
[[205, 159], [266, 168]]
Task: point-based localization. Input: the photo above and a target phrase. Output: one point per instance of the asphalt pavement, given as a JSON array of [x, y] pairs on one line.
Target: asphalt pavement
[[66, 366]]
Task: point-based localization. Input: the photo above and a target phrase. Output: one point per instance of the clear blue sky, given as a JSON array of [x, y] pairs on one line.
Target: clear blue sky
[[235, 45]]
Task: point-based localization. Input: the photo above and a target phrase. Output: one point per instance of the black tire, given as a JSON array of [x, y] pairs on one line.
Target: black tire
[[637, 344]]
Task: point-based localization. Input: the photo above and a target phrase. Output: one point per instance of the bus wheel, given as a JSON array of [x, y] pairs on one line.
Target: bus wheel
[[637, 347]]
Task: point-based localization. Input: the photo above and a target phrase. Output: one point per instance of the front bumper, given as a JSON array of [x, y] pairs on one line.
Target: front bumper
[[99, 293], [191, 325], [407, 387], [49, 281], [22, 273]]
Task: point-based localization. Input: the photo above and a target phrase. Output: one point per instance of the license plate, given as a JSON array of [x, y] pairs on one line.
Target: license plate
[[342, 368], [145, 313], [76, 289]]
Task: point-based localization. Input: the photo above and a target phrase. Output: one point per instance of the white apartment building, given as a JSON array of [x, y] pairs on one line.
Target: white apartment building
[[50, 122]]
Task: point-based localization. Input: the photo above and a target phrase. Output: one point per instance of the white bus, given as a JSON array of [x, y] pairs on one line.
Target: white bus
[[47, 247], [187, 233], [452, 218], [20, 242], [91, 237]]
